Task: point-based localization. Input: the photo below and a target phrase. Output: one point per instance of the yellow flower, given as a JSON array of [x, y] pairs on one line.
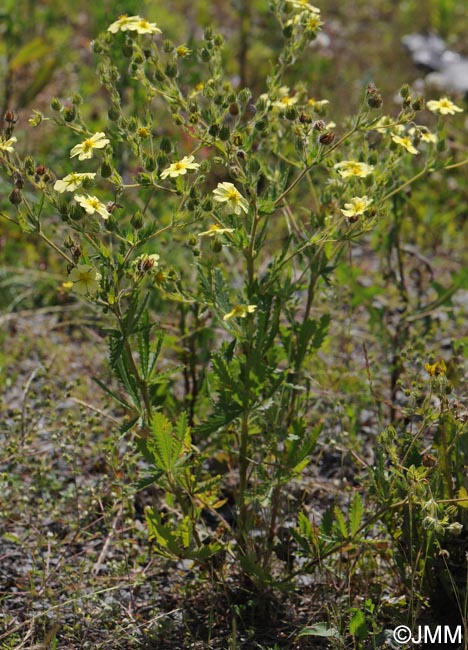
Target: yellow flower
[[284, 100], [356, 206], [123, 24], [227, 193], [215, 230], [179, 168], [405, 142], [92, 204], [142, 26], [85, 279], [444, 106], [6, 145], [240, 311], [349, 168], [423, 134], [437, 368], [133, 24], [183, 51], [84, 150], [71, 182], [308, 19]]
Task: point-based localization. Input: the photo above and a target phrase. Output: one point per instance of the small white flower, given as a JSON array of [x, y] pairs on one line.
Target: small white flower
[[84, 150], [444, 106], [227, 193], [6, 145], [349, 168], [85, 279], [356, 206], [180, 168], [92, 204], [406, 143], [72, 181]]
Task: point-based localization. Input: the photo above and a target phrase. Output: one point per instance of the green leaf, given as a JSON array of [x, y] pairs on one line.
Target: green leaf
[[340, 520], [355, 514], [357, 625]]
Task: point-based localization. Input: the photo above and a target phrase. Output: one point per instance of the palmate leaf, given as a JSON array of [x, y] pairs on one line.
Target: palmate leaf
[[166, 444]]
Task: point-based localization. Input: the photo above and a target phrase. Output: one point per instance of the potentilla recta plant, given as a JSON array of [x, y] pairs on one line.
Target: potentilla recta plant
[[228, 212]]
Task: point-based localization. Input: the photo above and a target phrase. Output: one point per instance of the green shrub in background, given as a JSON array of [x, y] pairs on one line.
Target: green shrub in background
[[207, 246]]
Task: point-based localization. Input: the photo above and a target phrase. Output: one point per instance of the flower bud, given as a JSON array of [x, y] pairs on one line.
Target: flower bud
[[291, 113], [205, 55], [114, 112], [40, 170], [137, 220], [418, 103], [213, 130], [207, 205], [216, 245], [76, 99], [69, 114], [234, 108], [150, 163], [15, 197], [305, 118], [10, 117], [29, 166], [218, 40], [171, 69], [326, 137], [106, 169], [237, 139], [319, 125], [208, 34], [55, 104], [224, 133], [374, 98], [404, 91], [192, 240]]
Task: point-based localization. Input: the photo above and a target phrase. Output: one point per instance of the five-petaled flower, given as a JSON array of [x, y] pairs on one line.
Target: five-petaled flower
[[72, 181], [180, 167], [285, 99], [356, 206], [215, 230], [240, 311], [444, 106], [6, 145], [406, 142], [84, 150], [227, 193], [133, 24], [349, 168], [85, 279], [92, 204]]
